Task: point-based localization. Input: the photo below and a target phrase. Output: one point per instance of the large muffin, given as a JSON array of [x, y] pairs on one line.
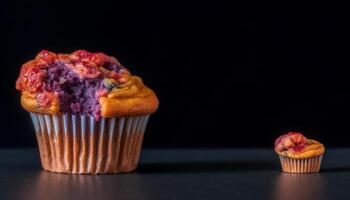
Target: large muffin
[[89, 112]]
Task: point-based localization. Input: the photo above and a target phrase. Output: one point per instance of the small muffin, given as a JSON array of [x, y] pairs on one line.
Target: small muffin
[[88, 111], [299, 154]]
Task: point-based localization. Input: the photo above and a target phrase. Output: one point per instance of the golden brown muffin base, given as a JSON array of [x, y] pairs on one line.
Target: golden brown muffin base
[[314, 148], [132, 99], [29, 103]]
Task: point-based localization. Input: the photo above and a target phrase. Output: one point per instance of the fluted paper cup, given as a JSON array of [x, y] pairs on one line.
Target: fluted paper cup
[[78, 144], [306, 165]]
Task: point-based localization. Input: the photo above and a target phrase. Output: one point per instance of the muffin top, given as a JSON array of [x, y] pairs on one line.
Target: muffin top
[[295, 145], [83, 83]]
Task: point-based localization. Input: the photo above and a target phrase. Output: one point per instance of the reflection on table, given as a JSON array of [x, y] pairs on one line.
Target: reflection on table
[[52, 186], [290, 186]]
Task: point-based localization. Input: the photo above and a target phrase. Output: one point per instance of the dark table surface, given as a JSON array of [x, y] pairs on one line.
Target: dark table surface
[[180, 174]]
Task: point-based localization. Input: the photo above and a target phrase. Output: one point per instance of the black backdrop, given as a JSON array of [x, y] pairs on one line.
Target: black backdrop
[[225, 77]]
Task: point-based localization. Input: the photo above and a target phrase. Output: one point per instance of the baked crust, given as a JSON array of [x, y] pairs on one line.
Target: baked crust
[[133, 99], [295, 145], [29, 102]]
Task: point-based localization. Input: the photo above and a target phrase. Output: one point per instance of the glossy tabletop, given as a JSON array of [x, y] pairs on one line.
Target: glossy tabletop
[[180, 174]]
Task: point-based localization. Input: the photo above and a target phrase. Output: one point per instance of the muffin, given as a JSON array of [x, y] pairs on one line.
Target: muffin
[[299, 154], [88, 111]]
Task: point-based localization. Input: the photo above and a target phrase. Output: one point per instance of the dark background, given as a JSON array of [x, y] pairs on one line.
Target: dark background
[[226, 76]]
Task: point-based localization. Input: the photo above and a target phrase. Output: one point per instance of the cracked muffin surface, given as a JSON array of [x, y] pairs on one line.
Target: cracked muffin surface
[[83, 83]]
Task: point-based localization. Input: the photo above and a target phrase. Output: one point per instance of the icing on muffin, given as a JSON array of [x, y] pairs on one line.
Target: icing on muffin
[[295, 145], [83, 83]]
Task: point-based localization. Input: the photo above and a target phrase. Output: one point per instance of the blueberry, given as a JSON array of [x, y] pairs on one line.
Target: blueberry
[[113, 86]]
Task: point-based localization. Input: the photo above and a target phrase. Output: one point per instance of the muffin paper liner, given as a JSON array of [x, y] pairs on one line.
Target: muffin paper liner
[[78, 144], [307, 165]]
